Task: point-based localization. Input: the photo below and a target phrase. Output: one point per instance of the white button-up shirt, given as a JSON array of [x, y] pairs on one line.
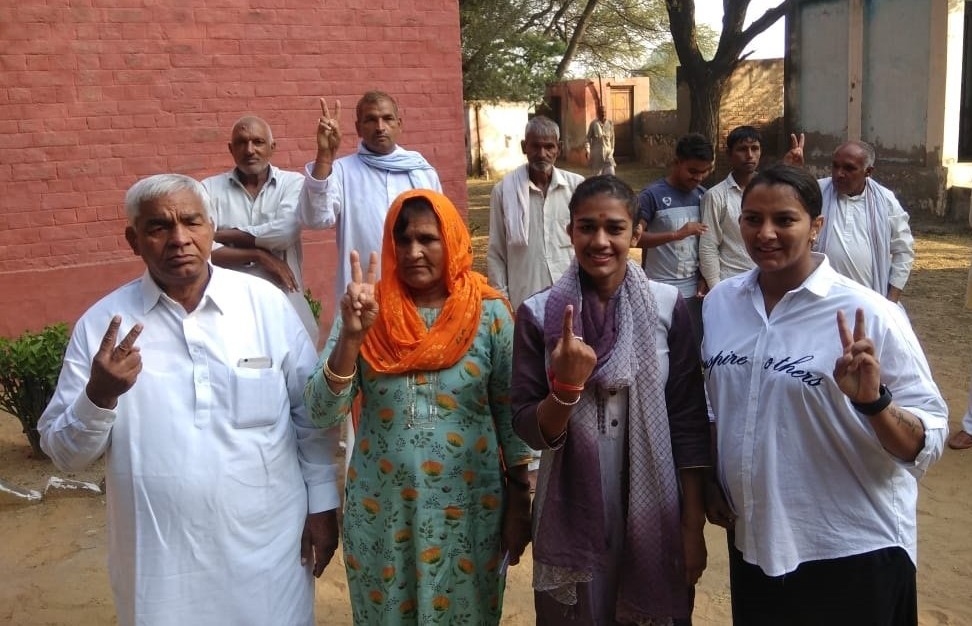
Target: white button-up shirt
[[804, 471], [271, 217], [722, 252], [212, 464]]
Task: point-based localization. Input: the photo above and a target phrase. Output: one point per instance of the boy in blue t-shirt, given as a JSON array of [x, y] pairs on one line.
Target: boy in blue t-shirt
[[671, 224]]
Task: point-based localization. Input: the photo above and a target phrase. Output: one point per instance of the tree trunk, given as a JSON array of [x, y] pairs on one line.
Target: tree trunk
[[33, 436], [576, 37], [705, 96]]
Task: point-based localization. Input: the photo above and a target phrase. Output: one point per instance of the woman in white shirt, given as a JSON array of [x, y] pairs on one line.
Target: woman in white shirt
[[826, 418]]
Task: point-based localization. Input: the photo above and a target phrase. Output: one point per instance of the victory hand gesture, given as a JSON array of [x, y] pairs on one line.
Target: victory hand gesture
[[328, 129], [857, 372], [794, 156], [572, 360], [359, 309], [114, 368]]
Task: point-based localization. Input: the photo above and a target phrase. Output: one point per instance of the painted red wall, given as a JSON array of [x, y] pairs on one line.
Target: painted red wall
[[95, 94]]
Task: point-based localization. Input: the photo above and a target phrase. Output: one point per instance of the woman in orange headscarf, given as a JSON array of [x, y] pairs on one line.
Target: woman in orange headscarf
[[432, 512]]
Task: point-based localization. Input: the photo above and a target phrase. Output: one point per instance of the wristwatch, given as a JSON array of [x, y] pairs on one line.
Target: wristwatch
[[873, 408]]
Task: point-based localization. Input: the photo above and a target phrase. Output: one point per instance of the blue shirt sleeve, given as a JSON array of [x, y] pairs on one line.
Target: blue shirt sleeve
[[647, 205]]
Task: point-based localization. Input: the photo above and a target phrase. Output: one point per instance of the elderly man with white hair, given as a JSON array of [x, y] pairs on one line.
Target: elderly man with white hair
[[189, 379], [528, 244]]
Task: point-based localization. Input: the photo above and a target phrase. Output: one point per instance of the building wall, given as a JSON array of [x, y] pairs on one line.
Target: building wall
[[753, 96], [860, 69], [493, 135], [95, 94]]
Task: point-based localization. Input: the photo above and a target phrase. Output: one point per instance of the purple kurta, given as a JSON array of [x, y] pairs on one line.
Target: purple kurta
[[678, 363]]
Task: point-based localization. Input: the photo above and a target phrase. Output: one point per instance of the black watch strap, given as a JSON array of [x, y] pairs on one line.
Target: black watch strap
[[873, 408]]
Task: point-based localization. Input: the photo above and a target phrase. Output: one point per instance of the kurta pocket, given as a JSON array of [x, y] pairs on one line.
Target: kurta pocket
[[258, 395]]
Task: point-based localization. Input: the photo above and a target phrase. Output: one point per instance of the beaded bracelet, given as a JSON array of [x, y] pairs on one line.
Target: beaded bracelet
[[553, 394], [337, 378]]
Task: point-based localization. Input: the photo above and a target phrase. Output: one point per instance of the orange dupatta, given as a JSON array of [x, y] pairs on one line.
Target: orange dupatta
[[398, 341]]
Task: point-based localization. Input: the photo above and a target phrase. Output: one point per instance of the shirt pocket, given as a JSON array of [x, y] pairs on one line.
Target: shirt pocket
[[560, 237], [259, 397]]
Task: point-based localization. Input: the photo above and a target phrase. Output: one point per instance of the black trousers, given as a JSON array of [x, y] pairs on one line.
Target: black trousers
[[871, 589]]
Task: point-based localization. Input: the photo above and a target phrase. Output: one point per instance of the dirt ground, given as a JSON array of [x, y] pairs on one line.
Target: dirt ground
[[52, 554]]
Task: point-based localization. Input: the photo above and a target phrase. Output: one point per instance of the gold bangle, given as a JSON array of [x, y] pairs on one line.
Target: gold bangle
[[337, 378]]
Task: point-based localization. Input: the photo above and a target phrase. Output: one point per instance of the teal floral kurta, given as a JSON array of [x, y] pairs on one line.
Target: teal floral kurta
[[424, 493]]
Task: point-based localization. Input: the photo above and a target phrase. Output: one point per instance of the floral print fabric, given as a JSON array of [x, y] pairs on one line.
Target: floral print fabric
[[423, 507]]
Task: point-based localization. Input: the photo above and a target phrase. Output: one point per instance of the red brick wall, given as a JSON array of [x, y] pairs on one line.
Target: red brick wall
[[95, 94]]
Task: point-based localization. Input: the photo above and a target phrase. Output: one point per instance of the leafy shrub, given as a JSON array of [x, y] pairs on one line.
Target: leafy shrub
[[314, 304], [29, 368]]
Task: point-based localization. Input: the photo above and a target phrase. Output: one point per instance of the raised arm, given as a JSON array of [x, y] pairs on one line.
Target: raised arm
[[337, 369], [322, 197], [76, 425], [858, 374], [328, 139]]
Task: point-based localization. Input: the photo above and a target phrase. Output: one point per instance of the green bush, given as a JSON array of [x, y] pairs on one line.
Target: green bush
[[314, 304], [29, 367]]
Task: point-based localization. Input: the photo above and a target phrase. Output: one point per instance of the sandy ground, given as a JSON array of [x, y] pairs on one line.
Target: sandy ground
[[52, 555]]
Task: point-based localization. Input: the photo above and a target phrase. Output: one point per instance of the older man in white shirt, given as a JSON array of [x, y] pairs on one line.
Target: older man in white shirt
[[528, 214], [222, 496], [866, 235], [255, 212]]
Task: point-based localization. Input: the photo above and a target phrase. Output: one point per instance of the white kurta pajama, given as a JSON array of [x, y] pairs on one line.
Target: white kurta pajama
[[212, 465], [867, 237], [529, 248]]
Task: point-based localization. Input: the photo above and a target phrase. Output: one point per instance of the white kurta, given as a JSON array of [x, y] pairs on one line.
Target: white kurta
[[520, 271], [804, 472], [355, 198], [849, 243], [271, 217], [212, 464]]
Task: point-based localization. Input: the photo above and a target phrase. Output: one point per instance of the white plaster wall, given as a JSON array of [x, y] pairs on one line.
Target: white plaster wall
[[895, 89], [959, 173], [824, 46], [501, 127]]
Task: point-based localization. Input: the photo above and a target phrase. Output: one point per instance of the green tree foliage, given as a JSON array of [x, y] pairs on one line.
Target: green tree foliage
[[662, 66], [505, 53], [29, 368], [512, 48], [314, 304]]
